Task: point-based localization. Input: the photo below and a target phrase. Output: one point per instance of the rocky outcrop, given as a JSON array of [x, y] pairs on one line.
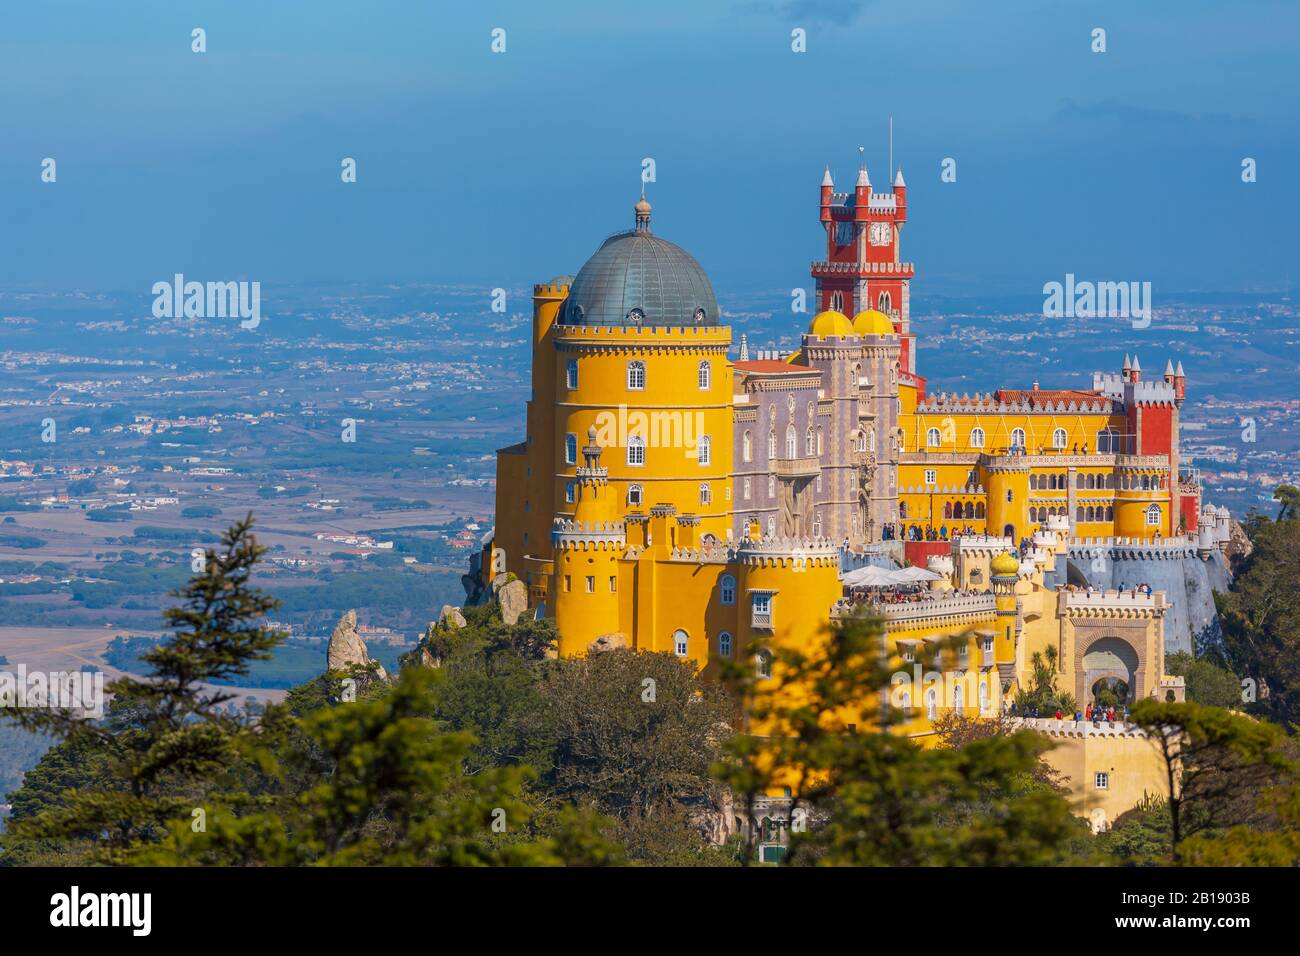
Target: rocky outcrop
[[513, 596], [347, 649], [451, 618], [607, 642], [1239, 546]]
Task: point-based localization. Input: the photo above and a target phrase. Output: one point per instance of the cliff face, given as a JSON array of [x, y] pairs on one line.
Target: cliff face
[[1188, 581]]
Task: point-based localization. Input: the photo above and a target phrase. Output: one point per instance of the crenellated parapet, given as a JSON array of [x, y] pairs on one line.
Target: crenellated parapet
[[1111, 604], [793, 552], [568, 534], [1134, 549], [1078, 728]]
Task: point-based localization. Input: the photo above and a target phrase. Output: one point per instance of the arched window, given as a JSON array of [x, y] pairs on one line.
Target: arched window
[[1033, 482], [634, 495], [905, 701], [636, 375], [571, 373], [763, 664], [1017, 438], [1146, 482], [810, 443], [1059, 438], [1079, 513], [635, 451], [791, 443], [932, 438], [746, 487], [771, 486], [727, 589], [860, 441], [959, 698], [984, 698], [883, 302], [979, 509], [704, 450], [977, 438], [1153, 516], [820, 437], [724, 644], [1110, 512], [817, 525], [771, 443], [871, 442], [681, 643], [931, 704], [705, 376], [570, 449], [706, 496]]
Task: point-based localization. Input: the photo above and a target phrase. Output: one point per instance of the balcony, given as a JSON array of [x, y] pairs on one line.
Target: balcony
[[806, 467]]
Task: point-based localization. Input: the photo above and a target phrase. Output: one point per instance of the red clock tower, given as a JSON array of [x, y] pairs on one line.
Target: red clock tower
[[863, 269]]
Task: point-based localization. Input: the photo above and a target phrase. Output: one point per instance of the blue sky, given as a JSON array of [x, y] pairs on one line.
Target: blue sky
[[507, 169]]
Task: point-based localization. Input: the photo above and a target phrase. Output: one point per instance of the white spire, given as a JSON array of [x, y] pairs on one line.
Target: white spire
[[1179, 371], [1127, 364], [826, 179], [1169, 367], [1137, 366], [898, 180], [863, 178]]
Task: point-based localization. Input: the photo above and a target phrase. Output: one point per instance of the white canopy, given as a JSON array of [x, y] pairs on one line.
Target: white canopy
[[874, 577]]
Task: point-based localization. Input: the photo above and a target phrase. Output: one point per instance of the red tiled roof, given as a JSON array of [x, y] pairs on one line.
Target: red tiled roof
[[1037, 396]]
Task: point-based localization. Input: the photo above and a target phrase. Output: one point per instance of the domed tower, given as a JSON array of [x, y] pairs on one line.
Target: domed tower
[[640, 355], [587, 549], [1004, 571]]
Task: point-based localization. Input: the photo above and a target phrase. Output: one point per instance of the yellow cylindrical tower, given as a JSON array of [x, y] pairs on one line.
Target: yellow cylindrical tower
[[660, 402], [587, 550], [1004, 571], [1007, 480]]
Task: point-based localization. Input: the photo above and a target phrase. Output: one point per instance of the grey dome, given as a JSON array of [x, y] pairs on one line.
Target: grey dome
[[635, 270]]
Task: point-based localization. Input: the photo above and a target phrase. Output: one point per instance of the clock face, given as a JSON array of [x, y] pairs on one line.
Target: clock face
[[882, 233]]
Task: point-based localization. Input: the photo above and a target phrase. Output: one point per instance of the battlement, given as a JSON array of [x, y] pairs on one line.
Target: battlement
[[547, 290], [789, 551], [581, 336], [567, 533], [1078, 728], [904, 270], [988, 404], [981, 543], [933, 609], [1118, 548], [1154, 393], [1111, 603], [942, 490]]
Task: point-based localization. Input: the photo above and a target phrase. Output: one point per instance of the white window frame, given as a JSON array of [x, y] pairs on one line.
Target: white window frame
[[933, 438], [1101, 780], [704, 376], [1017, 438], [1154, 516], [570, 448], [571, 374], [635, 495], [704, 451], [681, 643], [931, 476], [635, 451], [636, 376], [1060, 439], [977, 437]]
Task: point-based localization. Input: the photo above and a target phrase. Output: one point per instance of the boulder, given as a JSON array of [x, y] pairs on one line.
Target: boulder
[[607, 642], [346, 646], [513, 596], [450, 618]]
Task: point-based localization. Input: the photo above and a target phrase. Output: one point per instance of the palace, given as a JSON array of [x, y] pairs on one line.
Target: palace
[[669, 497]]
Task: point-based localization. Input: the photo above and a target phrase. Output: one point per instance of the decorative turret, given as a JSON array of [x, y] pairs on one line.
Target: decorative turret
[[828, 192], [593, 501], [1135, 373], [862, 195], [900, 196], [1180, 386], [642, 210]]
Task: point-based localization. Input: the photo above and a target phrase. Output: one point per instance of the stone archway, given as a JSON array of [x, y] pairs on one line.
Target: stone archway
[[1108, 661]]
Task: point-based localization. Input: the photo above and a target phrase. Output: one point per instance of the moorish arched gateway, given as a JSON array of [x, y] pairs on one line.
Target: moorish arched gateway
[[1111, 636]]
